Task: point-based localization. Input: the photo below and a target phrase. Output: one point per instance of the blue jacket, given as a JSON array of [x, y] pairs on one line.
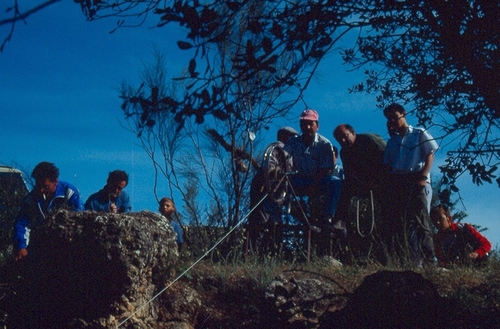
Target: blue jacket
[[178, 230], [35, 210], [100, 201]]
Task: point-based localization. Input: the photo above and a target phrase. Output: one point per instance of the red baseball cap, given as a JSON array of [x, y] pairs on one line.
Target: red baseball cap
[[309, 114]]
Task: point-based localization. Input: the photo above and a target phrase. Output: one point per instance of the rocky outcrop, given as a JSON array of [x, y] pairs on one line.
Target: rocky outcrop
[[179, 307], [300, 303], [386, 299], [392, 299], [97, 270]]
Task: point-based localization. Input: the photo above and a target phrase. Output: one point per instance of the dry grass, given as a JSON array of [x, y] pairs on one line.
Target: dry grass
[[233, 293]]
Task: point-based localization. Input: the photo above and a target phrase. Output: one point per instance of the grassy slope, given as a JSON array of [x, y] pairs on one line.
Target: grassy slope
[[233, 294]]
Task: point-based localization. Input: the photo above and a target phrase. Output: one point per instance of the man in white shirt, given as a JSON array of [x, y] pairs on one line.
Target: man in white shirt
[[410, 154]]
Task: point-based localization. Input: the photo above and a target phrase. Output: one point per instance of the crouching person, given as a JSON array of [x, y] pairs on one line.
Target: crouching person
[[457, 243]]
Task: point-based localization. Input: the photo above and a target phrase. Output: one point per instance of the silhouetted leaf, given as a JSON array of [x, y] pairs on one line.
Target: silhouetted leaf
[[184, 45], [254, 26], [200, 118], [277, 30], [205, 95], [233, 5], [221, 115], [267, 45], [192, 68]]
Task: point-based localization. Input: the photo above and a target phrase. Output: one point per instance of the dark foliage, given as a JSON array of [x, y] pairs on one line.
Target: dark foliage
[[12, 191], [440, 58]]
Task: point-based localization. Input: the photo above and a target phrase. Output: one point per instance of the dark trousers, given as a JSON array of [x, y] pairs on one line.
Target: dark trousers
[[407, 223]]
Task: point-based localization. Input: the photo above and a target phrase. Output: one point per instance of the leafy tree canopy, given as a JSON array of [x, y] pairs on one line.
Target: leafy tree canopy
[[442, 57], [438, 58]]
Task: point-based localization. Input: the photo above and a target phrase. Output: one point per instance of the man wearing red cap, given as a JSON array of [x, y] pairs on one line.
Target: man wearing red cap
[[313, 156]]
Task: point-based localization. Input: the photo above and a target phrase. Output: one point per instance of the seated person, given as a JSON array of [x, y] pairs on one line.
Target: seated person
[[112, 197], [457, 243], [313, 161]]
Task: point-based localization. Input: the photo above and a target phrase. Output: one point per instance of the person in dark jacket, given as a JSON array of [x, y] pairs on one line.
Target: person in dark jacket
[[364, 190], [112, 197], [362, 158], [50, 194]]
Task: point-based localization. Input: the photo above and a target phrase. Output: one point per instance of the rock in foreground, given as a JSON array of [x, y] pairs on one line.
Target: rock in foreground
[[94, 270]]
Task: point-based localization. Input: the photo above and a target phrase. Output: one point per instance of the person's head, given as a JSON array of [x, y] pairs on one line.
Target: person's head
[[285, 133], [46, 177], [167, 207], [116, 182], [441, 217], [390, 129], [345, 135], [309, 124], [396, 118]]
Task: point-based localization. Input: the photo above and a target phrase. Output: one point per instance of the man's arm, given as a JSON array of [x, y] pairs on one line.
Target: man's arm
[[428, 146], [327, 162], [73, 196], [480, 243], [125, 206], [93, 204], [429, 160], [21, 235]]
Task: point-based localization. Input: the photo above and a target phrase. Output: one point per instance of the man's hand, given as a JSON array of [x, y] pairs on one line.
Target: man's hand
[[112, 208], [422, 180], [474, 255], [21, 254]]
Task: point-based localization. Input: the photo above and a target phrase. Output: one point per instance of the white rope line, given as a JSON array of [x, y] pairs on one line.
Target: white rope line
[[194, 264], [372, 202]]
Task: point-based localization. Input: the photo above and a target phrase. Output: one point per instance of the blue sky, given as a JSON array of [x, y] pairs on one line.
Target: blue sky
[[59, 80]]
